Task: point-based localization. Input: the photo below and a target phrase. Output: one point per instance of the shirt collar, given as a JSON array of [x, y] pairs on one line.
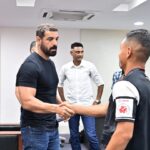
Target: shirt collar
[[81, 65]]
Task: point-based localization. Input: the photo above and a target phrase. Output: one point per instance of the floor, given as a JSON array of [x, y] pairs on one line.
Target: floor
[[66, 145]]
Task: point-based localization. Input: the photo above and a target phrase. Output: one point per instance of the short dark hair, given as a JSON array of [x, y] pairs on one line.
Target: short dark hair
[[76, 44], [141, 36], [33, 44], [43, 28]]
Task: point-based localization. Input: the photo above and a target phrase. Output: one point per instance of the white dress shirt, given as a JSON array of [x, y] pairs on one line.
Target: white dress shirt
[[78, 88]]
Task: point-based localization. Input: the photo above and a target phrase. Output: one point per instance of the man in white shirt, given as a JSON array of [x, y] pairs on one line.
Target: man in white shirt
[[78, 74]]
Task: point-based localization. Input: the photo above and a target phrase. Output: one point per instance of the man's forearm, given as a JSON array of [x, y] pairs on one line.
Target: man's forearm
[[59, 101], [99, 92], [38, 106], [121, 136], [61, 93], [29, 102], [35, 105], [94, 110], [117, 143]]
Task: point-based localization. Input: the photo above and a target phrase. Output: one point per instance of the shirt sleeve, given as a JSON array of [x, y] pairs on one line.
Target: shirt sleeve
[[96, 77], [126, 97], [27, 75], [62, 77]]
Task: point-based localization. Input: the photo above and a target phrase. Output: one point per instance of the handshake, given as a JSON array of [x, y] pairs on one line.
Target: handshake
[[67, 110], [64, 111]]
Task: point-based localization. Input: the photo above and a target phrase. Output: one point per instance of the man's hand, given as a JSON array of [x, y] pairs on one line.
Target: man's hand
[[64, 112]]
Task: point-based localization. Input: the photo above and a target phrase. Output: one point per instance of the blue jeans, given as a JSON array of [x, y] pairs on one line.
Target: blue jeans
[[36, 138], [90, 130]]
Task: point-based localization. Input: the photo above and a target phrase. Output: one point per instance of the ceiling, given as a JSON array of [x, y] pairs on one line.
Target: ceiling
[[105, 18]]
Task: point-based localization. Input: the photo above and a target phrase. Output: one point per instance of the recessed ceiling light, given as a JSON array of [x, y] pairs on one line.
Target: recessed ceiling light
[[139, 23]]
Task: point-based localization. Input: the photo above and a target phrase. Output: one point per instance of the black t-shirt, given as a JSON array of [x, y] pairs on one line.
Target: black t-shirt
[[40, 74], [130, 101]]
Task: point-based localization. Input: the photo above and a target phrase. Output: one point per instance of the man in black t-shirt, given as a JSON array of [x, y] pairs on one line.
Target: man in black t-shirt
[[36, 86], [127, 119]]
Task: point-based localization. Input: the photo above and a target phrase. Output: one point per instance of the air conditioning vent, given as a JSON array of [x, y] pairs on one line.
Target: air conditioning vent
[[67, 15]]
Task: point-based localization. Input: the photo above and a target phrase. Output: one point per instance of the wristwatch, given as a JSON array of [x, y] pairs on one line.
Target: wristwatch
[[97, 101]]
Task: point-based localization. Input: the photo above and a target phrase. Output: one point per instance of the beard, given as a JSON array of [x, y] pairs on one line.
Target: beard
[[49, 51]]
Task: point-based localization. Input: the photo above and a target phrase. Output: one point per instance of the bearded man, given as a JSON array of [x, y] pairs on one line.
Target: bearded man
[[36, 85]]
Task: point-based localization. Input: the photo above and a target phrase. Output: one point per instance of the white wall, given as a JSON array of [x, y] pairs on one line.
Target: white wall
[[14, 49]]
